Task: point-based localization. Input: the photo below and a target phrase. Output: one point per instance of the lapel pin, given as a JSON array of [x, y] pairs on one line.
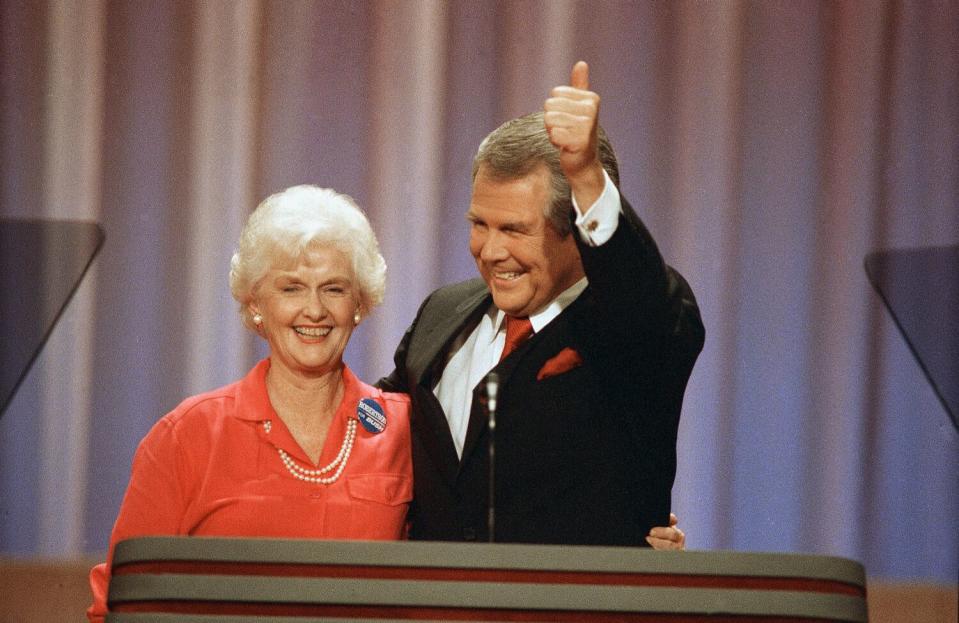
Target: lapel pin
[[371, 415]]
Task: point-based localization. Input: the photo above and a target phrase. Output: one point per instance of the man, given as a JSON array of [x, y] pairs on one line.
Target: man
[[588, 406]]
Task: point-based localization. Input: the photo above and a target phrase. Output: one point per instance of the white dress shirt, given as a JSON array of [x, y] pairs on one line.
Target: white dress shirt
[[473, 355]]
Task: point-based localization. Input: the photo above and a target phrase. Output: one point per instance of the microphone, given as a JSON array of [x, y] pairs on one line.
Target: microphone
[[492, 388]]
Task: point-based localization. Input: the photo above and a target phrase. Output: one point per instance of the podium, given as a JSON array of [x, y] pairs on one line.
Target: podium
[[209, 579]]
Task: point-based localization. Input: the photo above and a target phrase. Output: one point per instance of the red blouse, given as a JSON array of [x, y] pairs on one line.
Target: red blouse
[[211, 467]]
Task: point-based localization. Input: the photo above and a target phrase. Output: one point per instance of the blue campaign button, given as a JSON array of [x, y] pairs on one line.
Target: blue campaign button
[[371, 415]]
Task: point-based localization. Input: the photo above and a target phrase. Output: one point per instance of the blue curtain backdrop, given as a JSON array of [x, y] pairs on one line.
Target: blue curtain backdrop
[[768, 145]]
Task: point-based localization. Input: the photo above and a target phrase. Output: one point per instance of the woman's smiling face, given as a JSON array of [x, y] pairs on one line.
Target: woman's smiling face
[[307, 311]]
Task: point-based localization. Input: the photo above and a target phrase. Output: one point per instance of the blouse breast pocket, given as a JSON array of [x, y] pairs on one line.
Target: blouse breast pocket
[[378, 505]]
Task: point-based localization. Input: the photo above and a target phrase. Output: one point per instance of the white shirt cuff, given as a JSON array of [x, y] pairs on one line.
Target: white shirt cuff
[[598, 223]]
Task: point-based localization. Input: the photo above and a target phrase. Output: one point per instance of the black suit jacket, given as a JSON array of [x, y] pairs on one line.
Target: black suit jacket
[[585, 457]]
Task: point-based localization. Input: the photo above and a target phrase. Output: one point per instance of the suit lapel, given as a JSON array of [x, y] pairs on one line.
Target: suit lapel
[[429, 348], [479, 416], [431, 345], [534, 352]]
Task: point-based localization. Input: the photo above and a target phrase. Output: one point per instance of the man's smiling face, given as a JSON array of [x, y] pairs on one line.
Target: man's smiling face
[[525, 262]]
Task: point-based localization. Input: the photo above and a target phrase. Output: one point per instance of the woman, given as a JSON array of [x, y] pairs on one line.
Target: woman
[[299, 447]]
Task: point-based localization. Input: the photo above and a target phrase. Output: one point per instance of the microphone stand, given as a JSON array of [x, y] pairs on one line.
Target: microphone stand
[[492, 388]]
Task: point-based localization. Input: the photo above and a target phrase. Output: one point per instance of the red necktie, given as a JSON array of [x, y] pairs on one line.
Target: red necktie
[[518, 331]]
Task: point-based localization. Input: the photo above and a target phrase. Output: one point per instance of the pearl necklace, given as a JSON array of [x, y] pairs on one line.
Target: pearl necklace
[[315, 475]]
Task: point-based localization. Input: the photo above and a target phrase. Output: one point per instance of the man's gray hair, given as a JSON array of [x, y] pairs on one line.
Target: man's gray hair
[[287, 225], [519, 146]]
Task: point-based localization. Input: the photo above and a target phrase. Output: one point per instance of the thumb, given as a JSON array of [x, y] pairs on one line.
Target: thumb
[[579, 76]]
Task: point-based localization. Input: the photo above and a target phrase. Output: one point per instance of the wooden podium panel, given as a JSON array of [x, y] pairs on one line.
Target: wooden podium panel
[[207, 580]]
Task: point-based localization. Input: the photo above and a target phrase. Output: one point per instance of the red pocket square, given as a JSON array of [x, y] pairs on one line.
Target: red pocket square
[[564, 361]]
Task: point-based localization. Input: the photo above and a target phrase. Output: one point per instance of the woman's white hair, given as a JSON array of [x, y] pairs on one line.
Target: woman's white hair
[[288, 224]]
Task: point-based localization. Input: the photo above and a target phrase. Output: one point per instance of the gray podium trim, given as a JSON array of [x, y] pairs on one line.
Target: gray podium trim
[[436, 555], [484, 595]]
